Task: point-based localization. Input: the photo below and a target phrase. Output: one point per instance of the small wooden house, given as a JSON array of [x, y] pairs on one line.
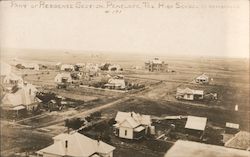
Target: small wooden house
[[131, 125], [189, 94], [202, 79]]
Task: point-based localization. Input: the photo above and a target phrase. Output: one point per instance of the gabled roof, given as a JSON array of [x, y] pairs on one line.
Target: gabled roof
[[196, 123], [195, 149], [21, 97], [133, 118], [203, 76], [189, 91], [240, 141], [129, 123], [116, 82], [77, 145]]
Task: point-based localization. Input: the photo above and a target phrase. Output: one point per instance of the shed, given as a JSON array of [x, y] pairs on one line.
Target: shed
[[196, 123]]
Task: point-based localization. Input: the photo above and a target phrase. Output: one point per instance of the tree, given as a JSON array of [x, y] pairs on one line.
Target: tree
[[75, 123]]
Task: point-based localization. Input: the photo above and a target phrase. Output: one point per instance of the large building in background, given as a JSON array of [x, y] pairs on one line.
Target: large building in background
[[156, 65]]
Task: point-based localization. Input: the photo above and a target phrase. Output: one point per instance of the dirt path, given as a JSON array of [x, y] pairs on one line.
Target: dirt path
[[85, 113]]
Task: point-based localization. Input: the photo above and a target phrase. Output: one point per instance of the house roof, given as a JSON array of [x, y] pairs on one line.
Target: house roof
[[133, 118], [19, 107], [78, 145], [195, 149], [203, 76], [240, 141], [20, 97], [196, 123], [30, 65], [64, 75], [189, 91], [63, 66], [129, 123], [116, 82], [138, 129], [232, 125]]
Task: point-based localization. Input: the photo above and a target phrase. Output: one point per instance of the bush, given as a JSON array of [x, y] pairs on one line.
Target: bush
[[88, 118], [74, 123], [111, 122], [97, 114]]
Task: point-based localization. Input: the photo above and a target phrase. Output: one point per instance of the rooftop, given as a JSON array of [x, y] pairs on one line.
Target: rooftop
[[196, 123], [195, 149], [76, 144], [134, 119], [240, 141]]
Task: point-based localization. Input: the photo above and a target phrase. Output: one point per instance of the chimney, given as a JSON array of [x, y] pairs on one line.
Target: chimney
[[66, 144], [98, 140]]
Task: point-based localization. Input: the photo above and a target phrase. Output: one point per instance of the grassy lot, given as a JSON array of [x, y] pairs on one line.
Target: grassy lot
[[163, 108], [15, 140]]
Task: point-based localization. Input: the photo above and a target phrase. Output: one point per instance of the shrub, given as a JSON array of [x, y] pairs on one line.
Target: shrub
[[74, 123]]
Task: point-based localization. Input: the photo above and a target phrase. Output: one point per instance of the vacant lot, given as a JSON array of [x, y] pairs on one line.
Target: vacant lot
[[15, 140]]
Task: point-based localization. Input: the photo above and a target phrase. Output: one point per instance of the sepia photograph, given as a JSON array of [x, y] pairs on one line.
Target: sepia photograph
[[124, 78]]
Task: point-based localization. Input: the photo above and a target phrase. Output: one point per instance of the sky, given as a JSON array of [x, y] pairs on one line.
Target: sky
[[177, 31]]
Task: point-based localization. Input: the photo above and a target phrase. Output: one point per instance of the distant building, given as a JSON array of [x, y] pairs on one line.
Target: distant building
[[115, 68], [131, 125], [156, 65], [189, 94], [111, 67], [241, 140], [7, 77], [202, 79], [76, 145], [63, 78], [31, 66], [195, 149], [21, 97], [67, 67], [116, 83], [11, 79]]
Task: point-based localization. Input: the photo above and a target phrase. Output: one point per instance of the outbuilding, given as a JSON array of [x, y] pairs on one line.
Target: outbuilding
[[196, 125]]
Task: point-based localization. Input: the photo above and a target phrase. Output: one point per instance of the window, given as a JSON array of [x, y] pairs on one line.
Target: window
[[29, 91], [126, 132]]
